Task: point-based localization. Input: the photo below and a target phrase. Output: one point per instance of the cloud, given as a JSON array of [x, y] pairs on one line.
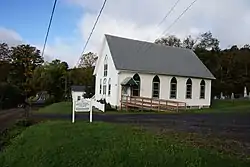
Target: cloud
[[228, 20], [10, 37], [67, 50], [138, 19]]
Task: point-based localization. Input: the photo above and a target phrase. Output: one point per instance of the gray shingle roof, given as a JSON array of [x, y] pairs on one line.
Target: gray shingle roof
[[141, 56], [77, 88]]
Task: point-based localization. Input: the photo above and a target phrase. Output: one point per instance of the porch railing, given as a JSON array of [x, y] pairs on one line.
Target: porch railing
[[145, 103]]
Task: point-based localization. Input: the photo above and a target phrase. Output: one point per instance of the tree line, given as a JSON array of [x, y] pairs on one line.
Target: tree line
[[24, 72], [230, 66]]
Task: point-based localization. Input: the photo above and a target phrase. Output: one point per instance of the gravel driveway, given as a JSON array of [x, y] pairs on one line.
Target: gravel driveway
[[235, 126]]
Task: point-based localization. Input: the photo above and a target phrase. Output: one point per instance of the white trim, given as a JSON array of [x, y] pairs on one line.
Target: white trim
[[99, 55]]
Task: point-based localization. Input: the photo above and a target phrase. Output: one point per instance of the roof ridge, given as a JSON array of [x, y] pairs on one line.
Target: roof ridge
[[159, 58], [151, 43]]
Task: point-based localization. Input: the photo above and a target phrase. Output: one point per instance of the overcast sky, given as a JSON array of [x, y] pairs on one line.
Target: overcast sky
[[228, 20]]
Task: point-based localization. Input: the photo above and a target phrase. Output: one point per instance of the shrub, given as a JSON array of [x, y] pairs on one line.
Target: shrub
[[24, 122]]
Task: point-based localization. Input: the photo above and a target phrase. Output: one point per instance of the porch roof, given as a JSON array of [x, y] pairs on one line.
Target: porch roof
[[129, 81]]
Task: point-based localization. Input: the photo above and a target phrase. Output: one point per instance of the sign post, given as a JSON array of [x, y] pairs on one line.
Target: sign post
[[82, 105], [90, 113], [73, 112]]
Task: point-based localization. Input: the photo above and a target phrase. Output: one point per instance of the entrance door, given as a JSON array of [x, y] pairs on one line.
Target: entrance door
[[135, 91]]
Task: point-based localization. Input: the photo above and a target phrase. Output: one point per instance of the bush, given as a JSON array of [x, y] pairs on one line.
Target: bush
[[24, 122], [108, 107], [11, 96], [8, 134], [50, 100]]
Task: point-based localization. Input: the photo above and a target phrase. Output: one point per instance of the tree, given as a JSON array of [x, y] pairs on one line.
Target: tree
[[207, 41], [169, 41], [24, 60], [5, 67], [4, 62], [87, 79], [4, 52], [229, 66], [88, 60], [10, 96], [51, 77], [189, 42]]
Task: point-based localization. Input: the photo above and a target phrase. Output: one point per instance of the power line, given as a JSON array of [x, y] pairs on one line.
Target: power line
[[179, 17], [175, 21], [165, 17], [50, 21], [169, 12], [103, 5]]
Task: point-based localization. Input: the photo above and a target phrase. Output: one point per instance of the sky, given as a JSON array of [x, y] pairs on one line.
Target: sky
[[26, 22]]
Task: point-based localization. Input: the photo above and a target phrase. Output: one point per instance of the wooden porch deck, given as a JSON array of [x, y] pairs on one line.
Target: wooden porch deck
[[143, 103]]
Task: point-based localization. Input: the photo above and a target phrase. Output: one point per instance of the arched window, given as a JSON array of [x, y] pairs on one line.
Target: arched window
[[100, 86], [189, 89], [136, 88], [202, 89], [109, 87], [104, 86], [173, 88], [156, 87], [105, 66]]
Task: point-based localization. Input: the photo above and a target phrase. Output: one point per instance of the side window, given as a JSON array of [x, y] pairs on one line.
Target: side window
[[173, 88], [156, 87], [109, 87], [105, 67], [100, 86], [189, 89], [136, 88], [104, 86], [202, 89]]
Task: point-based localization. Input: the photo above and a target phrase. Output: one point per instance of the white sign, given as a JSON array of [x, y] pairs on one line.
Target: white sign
[[82, 105]]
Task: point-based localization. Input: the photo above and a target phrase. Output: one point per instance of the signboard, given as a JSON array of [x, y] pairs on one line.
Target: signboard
[[82, 105]]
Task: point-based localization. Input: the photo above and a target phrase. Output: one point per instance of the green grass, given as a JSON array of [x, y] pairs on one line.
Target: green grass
[[218, 106], [62, 144], [56, 108], [10, 133], [225, 106]]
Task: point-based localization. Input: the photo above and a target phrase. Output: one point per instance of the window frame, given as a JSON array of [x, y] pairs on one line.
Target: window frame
[[137, 88], [174, 82], [203, 89], [156, 81], [100, 87], [189, 84], [105, 71], [104, 86], [109, 87]]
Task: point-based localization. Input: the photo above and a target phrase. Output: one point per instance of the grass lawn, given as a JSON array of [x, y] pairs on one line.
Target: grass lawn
[[56, 108], [228, 106], [61, 143], [218, 106]]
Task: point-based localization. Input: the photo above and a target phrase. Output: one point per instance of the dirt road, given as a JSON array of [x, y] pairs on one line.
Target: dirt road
[[235, 126], [7, 117]]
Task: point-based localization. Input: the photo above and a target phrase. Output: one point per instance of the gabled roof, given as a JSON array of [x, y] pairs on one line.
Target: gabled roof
[[76, 88], [129, 81], [146, 57]]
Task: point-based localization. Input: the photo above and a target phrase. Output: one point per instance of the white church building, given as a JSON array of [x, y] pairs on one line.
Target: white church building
[[127, 67]]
